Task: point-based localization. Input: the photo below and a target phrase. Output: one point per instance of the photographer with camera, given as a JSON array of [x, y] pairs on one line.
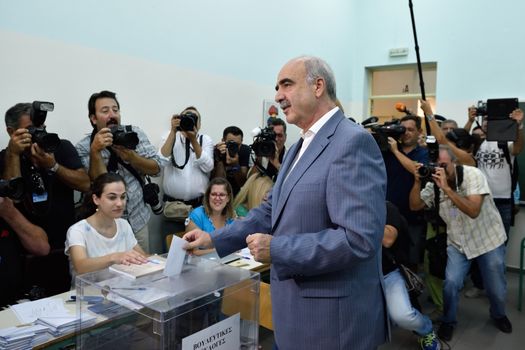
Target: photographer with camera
[[18, 236], [496, 160], [187, 159], [474, 229], [447, 134], [400, 164], [127, 151], [231, 158], [268, 159], [51, 170]]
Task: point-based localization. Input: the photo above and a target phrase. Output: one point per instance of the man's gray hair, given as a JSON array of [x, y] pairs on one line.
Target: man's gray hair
[[317, 68], [446, 148]]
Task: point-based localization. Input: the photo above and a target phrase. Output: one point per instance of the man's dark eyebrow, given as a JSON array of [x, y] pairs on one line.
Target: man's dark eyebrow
[[283, 81]]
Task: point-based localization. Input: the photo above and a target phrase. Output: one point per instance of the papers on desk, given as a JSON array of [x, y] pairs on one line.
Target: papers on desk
[[23, 337], [246, 260], [28, 312], [58, 326], [134, 271]]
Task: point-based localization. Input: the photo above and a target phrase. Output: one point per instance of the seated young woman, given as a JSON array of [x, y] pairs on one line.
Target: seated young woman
[[103, 238], [216, 211]]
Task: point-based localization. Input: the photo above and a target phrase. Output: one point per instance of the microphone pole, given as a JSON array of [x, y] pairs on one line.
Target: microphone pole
[[420, 70]]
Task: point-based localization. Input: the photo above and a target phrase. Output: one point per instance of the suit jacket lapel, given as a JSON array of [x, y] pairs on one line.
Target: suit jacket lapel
[[319, 143]]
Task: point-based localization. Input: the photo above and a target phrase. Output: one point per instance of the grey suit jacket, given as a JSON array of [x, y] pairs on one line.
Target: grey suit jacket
[[327, 220]]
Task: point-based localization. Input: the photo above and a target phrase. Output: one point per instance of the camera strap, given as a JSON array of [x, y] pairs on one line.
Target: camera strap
[[174, 163]]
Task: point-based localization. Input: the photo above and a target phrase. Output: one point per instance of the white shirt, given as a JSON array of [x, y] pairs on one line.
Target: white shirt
[[309, 134], [472, 237], [491, 161], [190, 182], [97, 245]]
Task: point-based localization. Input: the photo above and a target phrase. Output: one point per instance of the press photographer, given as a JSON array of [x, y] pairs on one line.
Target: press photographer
[[474, 229], [269, 148], [231, 158], [186, 157], [127, 151], [400, 162], [51, 170], [496, 159]]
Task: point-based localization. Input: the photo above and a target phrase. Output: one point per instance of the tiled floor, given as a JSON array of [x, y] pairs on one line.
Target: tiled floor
[[475, 330]]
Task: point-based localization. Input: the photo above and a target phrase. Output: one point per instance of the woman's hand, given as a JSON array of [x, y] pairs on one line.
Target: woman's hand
[[128, 258]]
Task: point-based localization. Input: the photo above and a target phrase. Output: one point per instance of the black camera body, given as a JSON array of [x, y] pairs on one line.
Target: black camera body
[[188, 121], [481, 108], [382, 132], [264, 143], [426, 171], [49, 142], [232, 147], [124, 136], [13, 188], [151, 191]]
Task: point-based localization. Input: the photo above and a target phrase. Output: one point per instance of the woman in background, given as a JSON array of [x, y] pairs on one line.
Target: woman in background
[[216, 211], [103, 238], [252, 194]]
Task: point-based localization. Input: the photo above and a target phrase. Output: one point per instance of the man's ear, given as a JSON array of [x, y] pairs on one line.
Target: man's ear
[[10, 130], [93, 119], [320, 87]]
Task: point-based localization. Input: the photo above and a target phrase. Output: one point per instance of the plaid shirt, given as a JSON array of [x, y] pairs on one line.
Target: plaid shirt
[[137, 212], [472, 237]]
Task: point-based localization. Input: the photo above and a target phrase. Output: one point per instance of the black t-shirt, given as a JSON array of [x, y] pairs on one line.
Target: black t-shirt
[[10, 265], [400, 247], [244, 160], [56, 213]]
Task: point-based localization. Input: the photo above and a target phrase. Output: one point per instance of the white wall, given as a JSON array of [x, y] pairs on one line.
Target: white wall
[[477, 46]]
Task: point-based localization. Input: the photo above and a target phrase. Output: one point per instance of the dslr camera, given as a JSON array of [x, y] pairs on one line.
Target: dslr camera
[[481, 108], [264, 142], [233, 148], [426, 171], [13, 188], [124, 136], [381, 132], [151, 191], [188, 121], [49, 142]]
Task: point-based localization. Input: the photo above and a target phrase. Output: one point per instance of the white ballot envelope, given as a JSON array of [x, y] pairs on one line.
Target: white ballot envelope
[[175, 257]]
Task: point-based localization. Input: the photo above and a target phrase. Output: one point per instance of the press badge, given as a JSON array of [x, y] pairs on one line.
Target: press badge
[[42, 197]]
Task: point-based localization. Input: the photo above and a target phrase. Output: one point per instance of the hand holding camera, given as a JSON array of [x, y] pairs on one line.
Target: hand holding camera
[[41, 158], [19, 142], [102, 139], [517, 115]]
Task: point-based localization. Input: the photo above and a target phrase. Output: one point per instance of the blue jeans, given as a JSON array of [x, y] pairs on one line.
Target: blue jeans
[[400, 309], [492, 267]]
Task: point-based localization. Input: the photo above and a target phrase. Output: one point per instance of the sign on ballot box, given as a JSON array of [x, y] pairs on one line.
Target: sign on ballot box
[[224, 335]]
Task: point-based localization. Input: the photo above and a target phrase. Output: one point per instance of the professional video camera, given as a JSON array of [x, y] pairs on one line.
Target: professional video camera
[[381, 132], [151, 192], [13, 188], [233, 148], [49, 142], [124, 136], [188, 120], [264, 142], [499, 126]]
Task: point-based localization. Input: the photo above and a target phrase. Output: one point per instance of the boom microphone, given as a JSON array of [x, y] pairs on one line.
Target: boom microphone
[[402, 108]]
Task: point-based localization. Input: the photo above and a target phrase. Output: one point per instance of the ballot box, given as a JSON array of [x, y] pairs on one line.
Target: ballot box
[[209, 306]]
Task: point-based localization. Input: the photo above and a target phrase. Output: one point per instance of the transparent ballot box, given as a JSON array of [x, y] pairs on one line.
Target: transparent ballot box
[[208, 306]]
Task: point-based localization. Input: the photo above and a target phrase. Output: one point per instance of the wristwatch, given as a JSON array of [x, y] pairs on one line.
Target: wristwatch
[[430, 117], [54, 168]]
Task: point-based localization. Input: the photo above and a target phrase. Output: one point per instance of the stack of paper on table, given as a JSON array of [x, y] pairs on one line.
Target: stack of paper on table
[[65, 324], [23, 337], [154, 264]]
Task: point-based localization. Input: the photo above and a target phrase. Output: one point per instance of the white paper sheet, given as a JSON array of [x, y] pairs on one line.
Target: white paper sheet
[[175, 257], [28, 312]]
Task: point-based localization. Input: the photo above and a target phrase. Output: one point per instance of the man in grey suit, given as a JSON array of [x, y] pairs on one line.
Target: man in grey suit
[[322, 226]]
